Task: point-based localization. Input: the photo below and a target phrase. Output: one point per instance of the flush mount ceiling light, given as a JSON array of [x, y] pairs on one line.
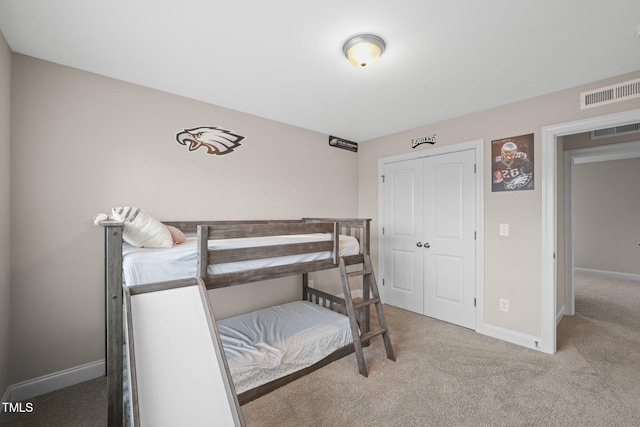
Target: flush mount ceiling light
[[363, 50]]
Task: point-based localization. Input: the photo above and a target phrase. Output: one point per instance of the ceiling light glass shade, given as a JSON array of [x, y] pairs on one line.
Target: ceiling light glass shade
[[363, 50]]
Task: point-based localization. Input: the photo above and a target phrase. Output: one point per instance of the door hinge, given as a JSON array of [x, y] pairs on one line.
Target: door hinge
[[474, 168], [382, 176], [382, 230], [475, 237], [474, 302], [383, 282]]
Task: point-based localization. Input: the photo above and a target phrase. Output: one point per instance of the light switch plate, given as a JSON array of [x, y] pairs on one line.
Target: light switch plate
[[504, 229]]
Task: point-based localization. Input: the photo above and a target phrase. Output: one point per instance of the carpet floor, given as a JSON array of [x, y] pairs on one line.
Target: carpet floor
[[445, 376]]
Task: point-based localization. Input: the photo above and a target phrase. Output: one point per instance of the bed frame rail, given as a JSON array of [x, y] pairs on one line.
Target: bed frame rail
[[325, 300], [214, 232], [356, 227], [192, 226]]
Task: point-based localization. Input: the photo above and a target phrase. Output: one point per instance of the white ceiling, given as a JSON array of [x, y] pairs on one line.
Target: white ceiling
[[283, 60]]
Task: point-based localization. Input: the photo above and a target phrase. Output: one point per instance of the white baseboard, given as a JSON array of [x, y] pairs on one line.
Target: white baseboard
[[5, 398], [513, 337], [614, 274], [560, 315], [52, 382]]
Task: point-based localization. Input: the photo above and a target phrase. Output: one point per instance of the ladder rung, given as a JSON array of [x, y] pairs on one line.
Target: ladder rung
[[364, 303], [371, 334], [360, 272], [353, 259]]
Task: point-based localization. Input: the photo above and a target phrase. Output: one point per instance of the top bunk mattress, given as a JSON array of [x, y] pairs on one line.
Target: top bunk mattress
[[146, 265]]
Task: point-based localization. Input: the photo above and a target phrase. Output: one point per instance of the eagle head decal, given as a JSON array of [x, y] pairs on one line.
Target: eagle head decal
[[215, 140]]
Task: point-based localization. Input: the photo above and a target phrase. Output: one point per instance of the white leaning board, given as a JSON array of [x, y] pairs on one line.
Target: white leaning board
[[180, 372]]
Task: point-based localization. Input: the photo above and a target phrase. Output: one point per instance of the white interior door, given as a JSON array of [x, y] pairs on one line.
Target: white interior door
[[449, 242], [403, 227], [429, 240]]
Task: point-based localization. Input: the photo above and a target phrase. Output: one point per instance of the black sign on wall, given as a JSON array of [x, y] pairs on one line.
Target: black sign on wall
[[334, 141]]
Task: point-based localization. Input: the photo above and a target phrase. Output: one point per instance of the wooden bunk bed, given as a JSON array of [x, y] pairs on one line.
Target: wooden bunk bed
[[207, 231]]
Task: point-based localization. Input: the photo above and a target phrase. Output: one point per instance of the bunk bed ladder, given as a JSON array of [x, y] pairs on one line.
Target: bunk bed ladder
[[368, 283]]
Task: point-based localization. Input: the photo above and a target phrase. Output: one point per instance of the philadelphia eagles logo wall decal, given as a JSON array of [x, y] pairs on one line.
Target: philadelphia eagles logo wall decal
[[216, 140]]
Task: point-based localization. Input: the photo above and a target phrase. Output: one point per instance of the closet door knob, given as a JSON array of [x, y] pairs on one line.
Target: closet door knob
[[427, 246], [419, 244]]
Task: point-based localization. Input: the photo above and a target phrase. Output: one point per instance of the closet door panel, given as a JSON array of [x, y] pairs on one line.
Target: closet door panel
[[448, 285], [449, 259], [403, 259]]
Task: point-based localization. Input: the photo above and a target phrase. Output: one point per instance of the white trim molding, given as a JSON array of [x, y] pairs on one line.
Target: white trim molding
[[513, 337], [612, 274], [560, 315], [52, 382]]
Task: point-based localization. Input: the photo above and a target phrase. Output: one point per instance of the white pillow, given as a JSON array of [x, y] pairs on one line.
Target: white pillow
[[141, 229]]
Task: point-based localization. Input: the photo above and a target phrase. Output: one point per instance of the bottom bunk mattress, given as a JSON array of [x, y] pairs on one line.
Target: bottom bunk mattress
[[268, 344]]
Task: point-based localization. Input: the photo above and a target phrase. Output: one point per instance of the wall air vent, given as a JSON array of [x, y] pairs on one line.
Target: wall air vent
[[610, 94], [616, 131]]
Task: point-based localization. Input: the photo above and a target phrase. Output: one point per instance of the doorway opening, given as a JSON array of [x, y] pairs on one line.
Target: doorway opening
[[550, 134], [572, 158]]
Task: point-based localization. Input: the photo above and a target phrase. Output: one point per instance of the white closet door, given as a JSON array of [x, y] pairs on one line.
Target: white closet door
[[429, 242], [449, 251], [403, 201]]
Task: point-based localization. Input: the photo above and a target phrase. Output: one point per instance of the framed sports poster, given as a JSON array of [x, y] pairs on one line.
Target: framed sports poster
[[512, 165]]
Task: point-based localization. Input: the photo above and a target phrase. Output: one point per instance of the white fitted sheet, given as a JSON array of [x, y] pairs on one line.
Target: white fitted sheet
[[146, 265], [268, 344]]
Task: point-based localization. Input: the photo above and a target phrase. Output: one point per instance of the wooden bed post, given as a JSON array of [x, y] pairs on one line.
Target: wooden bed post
[[366, 290], [367, 236], [113, 322], [305, 285], [203, 251]]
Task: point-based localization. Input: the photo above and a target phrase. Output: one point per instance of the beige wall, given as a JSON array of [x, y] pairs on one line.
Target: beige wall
[[5, 254], [606, 215], [513, 264], [83, 143]]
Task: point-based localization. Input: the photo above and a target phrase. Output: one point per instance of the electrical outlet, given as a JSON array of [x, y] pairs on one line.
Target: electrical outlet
[[504, 305]]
